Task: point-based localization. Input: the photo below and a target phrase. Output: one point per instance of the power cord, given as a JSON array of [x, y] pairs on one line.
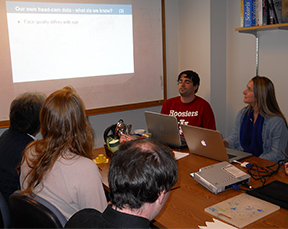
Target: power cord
[[261, 173], [258, 172]]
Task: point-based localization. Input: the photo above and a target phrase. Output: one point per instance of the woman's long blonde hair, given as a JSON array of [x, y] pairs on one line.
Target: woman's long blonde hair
[[64, 127], [265, 96]]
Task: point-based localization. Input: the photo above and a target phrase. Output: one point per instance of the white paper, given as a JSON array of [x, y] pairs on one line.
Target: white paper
[[178, 155], [217, 224]]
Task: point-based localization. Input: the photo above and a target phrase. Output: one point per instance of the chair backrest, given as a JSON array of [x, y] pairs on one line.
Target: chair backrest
[[4, 213], [34, 212]]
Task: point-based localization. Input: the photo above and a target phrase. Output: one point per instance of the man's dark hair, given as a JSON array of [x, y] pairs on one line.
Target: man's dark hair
[[139, 171], [25, 111], [192, 76]]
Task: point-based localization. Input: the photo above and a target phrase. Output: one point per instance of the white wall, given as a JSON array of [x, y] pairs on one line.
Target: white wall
[[218, 62], [198, 38], [172, 49], [202, 48], [225, 58], [241, 62], [194, 41]]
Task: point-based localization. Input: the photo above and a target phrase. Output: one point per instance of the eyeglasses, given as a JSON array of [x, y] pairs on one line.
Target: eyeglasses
[[185, 82]]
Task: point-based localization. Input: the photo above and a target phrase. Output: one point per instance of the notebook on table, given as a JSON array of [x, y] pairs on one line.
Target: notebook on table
[[165, 129], [209, 143]]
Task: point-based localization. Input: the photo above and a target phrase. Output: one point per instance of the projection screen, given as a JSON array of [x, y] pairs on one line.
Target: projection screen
[[110, 51]]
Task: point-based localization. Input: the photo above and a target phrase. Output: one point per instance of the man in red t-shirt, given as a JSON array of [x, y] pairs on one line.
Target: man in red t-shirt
[[189, 108]]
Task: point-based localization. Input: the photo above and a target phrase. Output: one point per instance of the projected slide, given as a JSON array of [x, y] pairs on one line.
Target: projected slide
[[51, 41]]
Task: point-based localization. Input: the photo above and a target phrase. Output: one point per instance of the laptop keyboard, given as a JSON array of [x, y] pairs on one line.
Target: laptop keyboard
[[231, 156]]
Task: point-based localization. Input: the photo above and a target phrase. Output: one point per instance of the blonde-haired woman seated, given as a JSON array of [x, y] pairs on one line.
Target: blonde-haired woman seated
[[260, 127], [59, 167]]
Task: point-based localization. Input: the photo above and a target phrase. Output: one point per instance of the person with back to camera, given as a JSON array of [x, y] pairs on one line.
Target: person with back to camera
[[188, 108], [260, 127], [24, 126], [141, 174], [59, 167]]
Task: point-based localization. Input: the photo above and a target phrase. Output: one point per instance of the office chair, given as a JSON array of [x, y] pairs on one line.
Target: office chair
[[34, 212], [4, 213]]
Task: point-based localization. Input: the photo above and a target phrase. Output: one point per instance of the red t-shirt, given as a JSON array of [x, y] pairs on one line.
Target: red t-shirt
[[196, 113]]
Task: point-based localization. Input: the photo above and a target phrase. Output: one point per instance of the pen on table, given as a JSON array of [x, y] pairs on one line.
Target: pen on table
[[175, 188], [221, 214]]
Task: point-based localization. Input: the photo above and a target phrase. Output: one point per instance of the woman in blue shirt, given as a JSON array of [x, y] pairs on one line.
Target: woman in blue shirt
[[260, 127]]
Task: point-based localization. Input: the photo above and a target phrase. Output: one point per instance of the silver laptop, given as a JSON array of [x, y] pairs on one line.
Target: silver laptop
[[165, 128], [209, 143]]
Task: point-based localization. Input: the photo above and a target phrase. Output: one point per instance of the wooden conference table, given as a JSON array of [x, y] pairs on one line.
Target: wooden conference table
[[185, 205]]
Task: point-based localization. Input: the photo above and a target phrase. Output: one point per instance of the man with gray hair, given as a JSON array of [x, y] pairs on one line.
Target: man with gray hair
[[24, 125], [141, 175]]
